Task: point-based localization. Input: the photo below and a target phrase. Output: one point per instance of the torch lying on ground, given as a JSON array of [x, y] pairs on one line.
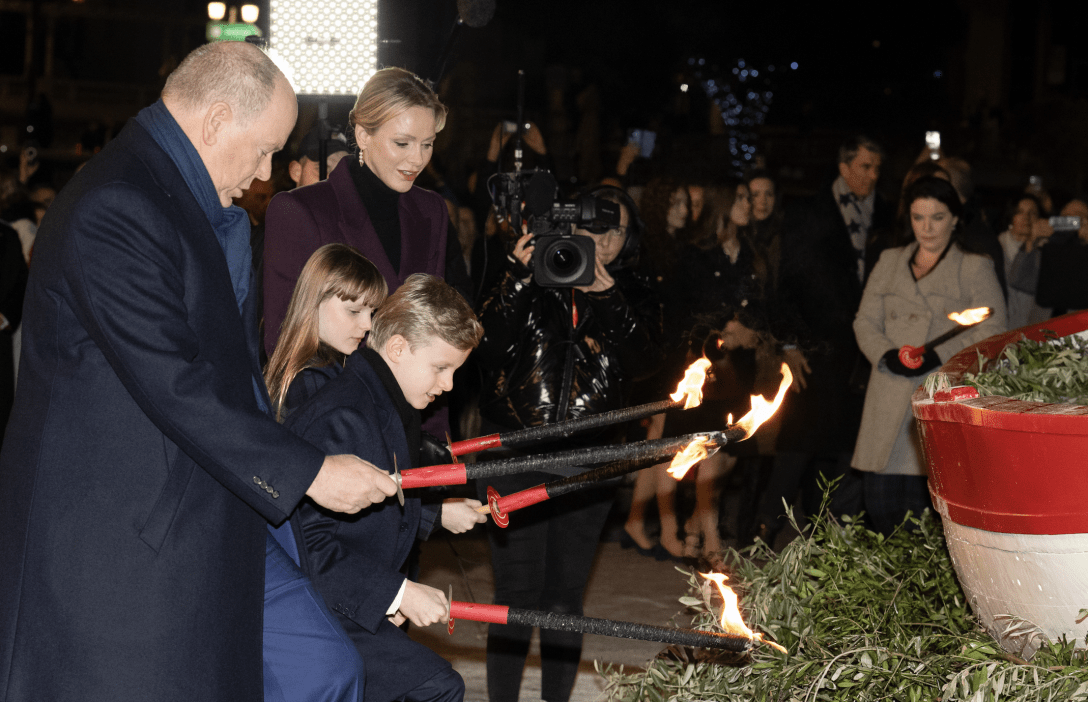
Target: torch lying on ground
[[911, 356], [736, 636], [689, 393], [699, 447]]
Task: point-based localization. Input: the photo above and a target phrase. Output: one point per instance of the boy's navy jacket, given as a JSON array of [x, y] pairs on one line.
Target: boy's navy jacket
[[355, 560]]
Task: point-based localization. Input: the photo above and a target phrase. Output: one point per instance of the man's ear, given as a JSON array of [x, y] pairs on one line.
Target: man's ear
[[294, 169], [218, 117], [844, 168]]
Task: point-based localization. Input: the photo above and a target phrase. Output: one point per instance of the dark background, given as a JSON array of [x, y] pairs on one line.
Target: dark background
[[1005, 82]]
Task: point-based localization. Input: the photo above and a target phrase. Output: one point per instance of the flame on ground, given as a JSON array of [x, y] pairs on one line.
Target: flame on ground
[[692, 454], [690, 388], [731, 621], [972, 316], [762, 410]]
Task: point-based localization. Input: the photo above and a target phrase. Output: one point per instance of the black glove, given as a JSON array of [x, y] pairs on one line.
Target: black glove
[[432, 451], [929, 361]]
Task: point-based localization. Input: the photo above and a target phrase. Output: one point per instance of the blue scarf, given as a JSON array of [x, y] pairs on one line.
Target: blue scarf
[[231, 224]]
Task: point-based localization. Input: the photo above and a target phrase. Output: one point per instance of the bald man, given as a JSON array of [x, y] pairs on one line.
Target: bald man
[[140, 469]]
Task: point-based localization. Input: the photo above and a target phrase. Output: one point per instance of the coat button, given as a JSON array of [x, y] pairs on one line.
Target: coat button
[[275, 494], [268, 489], [256, 480]]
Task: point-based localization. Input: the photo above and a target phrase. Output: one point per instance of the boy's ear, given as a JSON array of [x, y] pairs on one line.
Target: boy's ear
[[395, 348]]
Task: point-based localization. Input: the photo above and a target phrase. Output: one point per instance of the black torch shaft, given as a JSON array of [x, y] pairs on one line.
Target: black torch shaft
[[561, 430], [953, 332], [570, 484], [649, 450], [628, 630]]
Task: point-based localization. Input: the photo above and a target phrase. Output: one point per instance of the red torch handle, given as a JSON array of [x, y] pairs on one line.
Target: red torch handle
[[480, 443], [911, 356], [494, 614], [450, 474], [502, 506], [525, 498]]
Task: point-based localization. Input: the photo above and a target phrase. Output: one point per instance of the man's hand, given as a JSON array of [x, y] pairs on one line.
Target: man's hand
[[459, 514], [422, 604], [798, 366], [348, 484]]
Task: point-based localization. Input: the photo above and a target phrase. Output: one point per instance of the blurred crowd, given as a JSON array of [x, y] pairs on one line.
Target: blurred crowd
[[743, 274]]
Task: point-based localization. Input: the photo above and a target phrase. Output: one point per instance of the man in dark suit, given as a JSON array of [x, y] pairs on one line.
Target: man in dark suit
[[140, 469], [831, 242]]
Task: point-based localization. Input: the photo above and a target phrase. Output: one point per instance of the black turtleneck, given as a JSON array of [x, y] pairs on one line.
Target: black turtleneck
[[382, 206]]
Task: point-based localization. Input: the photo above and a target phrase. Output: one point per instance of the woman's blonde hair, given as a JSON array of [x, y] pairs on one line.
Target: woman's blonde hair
[[334, 269], [389, 92]]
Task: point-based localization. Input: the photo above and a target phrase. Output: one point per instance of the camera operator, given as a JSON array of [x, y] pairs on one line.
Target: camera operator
[[554, 353]]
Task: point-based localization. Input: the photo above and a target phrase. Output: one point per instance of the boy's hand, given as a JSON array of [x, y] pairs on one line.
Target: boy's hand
[[348, 484], [459, 514], [422, 604]]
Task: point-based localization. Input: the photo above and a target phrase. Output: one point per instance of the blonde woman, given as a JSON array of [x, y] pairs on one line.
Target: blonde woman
[[369, 200], [327, 318]]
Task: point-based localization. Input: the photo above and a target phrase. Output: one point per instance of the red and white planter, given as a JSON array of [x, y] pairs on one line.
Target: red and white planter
[[1010, 480]]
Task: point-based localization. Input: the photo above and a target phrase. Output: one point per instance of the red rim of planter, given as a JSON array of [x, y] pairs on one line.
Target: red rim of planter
[[1004, 465]]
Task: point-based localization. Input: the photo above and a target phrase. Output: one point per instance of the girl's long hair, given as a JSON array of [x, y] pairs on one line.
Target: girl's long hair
[[334, 269]]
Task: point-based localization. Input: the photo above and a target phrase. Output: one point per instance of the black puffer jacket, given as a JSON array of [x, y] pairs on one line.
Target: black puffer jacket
[[542, 366]]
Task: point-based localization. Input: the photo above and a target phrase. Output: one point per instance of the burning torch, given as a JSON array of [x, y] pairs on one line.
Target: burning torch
[[689, 393], [735, 635], [911, 356], [699, 446]]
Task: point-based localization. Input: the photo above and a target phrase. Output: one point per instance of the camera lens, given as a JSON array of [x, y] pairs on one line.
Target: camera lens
[[565, 261]]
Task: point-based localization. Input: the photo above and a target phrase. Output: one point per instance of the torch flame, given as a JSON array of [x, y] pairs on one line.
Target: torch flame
[[731, 621], [691, 387], [969, 317], [762, 410], [692, 454]]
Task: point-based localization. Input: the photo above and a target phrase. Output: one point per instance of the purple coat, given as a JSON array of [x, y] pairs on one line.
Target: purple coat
[[302, 220]]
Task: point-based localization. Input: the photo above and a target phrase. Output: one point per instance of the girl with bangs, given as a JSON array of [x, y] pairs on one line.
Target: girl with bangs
[[327, 318]]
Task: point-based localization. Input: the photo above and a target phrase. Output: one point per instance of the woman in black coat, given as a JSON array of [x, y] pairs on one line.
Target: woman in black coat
[[555, 354]]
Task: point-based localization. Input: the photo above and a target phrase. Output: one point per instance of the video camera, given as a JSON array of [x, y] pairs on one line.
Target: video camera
[[560, 259]]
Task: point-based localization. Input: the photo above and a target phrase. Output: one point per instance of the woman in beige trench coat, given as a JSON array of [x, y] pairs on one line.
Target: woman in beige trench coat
[[907, 299]]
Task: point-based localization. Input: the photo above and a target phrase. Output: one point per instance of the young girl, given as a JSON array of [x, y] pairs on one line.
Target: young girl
[[327, 318]]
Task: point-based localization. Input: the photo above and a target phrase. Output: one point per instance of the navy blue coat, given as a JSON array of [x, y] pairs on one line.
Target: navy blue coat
[[133, 528], [356, 561]]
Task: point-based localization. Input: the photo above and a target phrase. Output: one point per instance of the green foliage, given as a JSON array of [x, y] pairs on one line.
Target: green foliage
[[865, 618], [1053, 370]]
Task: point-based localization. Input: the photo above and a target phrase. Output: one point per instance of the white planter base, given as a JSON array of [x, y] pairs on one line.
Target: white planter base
[[1012, 580]]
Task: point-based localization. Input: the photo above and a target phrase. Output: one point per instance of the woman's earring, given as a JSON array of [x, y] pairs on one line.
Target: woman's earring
[[361, 157]]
